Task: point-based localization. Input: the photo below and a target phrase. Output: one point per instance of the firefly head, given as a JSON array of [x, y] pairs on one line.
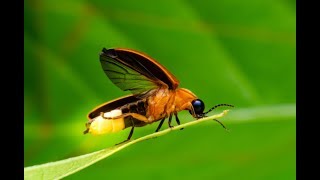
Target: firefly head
[[198, 107]]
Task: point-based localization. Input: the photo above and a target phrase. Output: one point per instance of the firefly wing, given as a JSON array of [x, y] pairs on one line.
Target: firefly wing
[[133, 71], [111, 105]]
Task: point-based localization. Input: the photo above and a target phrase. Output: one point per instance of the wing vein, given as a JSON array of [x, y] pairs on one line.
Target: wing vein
[[115, 65]]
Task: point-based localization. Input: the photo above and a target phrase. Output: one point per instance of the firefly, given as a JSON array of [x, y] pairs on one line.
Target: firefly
[[155, 95]]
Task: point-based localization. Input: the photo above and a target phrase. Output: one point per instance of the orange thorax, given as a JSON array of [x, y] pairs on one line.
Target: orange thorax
[[164, 102]]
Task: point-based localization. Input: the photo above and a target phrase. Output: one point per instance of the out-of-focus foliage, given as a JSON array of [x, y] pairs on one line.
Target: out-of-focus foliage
[[236, 52]]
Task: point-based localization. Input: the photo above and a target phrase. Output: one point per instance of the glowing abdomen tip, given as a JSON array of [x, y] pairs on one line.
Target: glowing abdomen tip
[[103, 126]]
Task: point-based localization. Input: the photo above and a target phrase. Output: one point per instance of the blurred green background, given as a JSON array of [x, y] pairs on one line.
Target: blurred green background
[[236, 52]]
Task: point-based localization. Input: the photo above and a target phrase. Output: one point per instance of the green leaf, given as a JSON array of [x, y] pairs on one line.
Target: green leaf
[[63, 168]]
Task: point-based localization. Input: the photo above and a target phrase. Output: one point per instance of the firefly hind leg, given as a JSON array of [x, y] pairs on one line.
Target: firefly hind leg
[[134, 115], [130, 134]]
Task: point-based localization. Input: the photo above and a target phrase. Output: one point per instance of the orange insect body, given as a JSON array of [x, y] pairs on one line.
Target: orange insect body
[[155, 94], [165, 102]]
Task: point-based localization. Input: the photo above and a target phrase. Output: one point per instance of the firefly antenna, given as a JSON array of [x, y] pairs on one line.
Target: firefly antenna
[[214, 107], [221, 124]]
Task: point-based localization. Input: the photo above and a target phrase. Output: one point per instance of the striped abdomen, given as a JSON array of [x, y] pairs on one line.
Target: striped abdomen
[[139, 107], [99, 125]]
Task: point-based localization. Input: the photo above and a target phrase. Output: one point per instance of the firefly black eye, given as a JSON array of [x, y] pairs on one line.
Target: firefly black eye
[[198, 106]]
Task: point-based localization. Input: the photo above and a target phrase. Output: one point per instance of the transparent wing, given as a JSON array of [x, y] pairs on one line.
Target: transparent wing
[[126, 77]]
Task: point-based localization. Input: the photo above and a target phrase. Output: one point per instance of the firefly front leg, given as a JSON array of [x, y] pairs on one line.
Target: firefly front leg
[[134, 115]]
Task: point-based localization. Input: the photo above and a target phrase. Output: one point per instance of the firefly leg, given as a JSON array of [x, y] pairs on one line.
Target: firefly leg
[[177, 119], [160, 124], [130, 134], [169, 122], [134, 115]]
